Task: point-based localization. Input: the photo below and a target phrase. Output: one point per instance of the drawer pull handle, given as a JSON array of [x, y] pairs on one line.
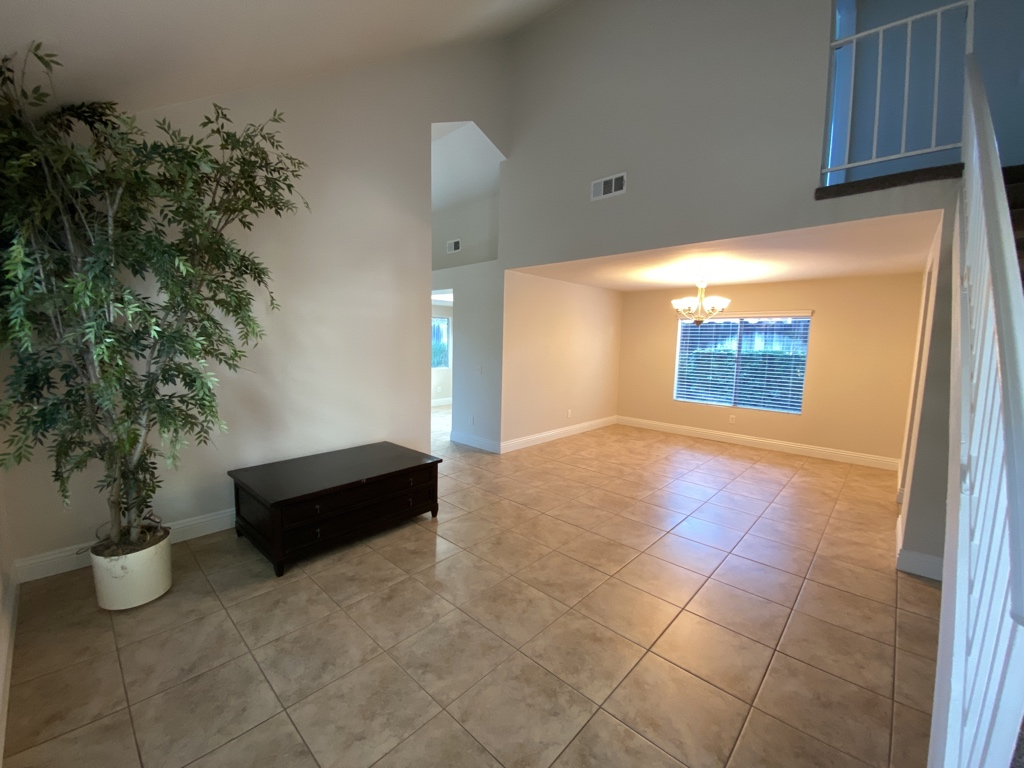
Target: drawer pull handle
[[410, 501], [410, 481], [318, 534], [317, 509]]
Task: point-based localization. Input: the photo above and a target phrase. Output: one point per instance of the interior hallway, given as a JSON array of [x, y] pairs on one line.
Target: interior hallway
[[622, 597], [440, 424]]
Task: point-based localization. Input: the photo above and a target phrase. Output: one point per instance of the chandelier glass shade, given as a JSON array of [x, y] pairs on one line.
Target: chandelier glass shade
[[697, 309]]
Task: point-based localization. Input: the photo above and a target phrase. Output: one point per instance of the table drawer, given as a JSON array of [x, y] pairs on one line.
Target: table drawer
[[324, 506], [366, 517]]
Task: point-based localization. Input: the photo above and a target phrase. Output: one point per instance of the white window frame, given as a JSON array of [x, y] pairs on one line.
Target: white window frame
[[740, 316]]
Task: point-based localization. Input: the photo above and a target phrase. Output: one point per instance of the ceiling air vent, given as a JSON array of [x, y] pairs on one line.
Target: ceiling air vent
[[454, 246], [608, 187]]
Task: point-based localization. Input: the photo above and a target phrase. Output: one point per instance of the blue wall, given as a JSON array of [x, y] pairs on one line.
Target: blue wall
[[999, 50]]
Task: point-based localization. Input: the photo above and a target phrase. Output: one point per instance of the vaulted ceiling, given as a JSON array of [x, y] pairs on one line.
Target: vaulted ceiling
[[148, 53], [464, 165]]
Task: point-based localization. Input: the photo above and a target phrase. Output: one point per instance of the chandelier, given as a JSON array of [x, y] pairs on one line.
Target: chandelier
[[697, 309]]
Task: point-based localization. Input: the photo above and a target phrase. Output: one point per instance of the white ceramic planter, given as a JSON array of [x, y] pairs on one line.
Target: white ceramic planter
[[131, 580]]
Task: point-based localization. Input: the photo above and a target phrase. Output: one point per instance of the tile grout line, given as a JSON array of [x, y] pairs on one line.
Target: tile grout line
[[743, 728], [662, 534], [124, 686], [832, 512], [263, 674], [73, 662], [576, 735], [777, 652]]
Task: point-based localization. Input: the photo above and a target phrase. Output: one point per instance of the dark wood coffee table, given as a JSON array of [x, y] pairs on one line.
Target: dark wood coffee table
[[298, 507]]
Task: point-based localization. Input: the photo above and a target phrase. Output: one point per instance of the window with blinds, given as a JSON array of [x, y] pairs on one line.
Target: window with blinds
[[749, 362], [440, 328]]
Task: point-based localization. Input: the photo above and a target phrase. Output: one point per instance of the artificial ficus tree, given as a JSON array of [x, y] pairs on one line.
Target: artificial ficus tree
[[122, 283]]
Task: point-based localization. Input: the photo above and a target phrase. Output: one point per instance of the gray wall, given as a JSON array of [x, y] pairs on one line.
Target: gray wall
[[476, 377], [721, 136], [922, 523], [475, 222]]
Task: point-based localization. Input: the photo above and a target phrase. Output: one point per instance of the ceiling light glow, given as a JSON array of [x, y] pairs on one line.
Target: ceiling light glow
[[719, 268]]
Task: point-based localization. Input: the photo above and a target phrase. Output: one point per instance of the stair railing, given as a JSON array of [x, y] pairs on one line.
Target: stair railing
[[979, 692], [846, 145]]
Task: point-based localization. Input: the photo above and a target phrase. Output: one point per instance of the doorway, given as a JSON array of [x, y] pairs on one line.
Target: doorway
[[465, 172]]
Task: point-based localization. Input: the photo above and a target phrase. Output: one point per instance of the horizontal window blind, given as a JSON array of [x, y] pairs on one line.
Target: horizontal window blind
[[750, 362]]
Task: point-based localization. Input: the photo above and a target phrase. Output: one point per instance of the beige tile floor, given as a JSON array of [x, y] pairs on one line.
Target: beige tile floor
[[618, 598]]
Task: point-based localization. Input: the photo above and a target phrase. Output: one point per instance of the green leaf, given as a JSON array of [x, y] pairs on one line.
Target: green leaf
[[119, 288]]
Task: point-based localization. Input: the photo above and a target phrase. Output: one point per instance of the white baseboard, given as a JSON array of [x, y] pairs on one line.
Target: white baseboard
[[492, 446], [441, 401], [8, 621], [201, 525], [919, 564], [556, 434], [831, 454], [70, 558]]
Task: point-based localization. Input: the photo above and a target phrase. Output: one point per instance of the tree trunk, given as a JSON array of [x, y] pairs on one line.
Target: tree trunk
[[129, 491], [114, 504]]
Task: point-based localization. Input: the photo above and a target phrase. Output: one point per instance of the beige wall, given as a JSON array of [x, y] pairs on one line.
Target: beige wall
[[859, 363], [339, 366], [561, 354]]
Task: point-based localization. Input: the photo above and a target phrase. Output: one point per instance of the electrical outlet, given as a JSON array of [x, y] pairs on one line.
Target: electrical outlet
[[732, 419], [568, 414]]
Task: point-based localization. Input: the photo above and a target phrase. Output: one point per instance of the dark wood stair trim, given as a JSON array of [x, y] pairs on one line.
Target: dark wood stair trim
[[1015, 194], [1013, 177], [902, 179], [1013, 174]]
